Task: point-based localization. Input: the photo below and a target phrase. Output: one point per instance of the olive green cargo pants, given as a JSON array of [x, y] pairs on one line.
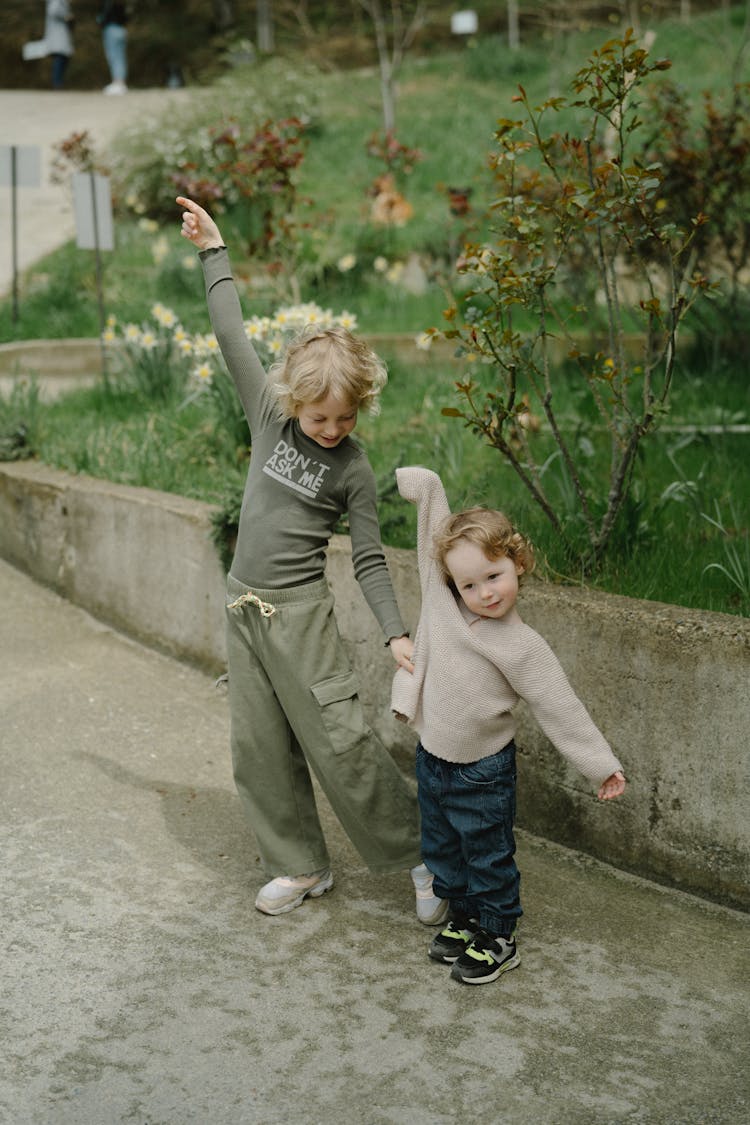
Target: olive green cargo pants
[[294, 708]]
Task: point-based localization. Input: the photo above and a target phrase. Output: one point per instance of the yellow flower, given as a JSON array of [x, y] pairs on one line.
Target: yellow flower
[[160, 249], [202, 372], [163, 316]]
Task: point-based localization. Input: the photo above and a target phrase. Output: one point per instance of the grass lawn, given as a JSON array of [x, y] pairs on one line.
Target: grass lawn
[[690, 500]]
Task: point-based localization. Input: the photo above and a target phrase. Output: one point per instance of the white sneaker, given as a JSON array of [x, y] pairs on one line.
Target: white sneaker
[[116, 88], [287, 892], [430, 909]]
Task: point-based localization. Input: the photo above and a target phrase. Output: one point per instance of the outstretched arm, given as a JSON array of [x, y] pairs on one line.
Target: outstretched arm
[[198, 227]]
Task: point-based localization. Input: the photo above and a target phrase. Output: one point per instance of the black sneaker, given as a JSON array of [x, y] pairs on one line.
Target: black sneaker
[[485, 959], [454, 940]]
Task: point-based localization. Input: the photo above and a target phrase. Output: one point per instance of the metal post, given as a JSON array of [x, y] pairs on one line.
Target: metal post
[[99, 284], [14, 229]]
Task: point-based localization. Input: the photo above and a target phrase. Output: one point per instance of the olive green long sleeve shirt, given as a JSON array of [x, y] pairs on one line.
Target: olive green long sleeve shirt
[[296, 490]]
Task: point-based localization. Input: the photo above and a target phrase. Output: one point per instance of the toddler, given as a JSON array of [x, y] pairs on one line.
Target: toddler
[[473, 659]]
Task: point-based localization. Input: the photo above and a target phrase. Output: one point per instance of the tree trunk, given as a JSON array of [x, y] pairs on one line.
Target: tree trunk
[[264, 27], [514, 35], [223, 14]]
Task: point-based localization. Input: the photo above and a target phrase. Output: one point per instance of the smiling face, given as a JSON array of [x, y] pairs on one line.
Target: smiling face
[[488, 587], [327, 421]]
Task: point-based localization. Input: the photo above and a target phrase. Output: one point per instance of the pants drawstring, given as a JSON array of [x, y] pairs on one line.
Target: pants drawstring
[[265, 608]]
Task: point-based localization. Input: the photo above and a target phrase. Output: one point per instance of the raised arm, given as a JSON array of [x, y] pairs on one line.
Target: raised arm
[[425, 489], [226, 313]]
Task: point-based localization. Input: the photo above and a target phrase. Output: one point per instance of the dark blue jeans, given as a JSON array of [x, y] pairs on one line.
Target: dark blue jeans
[[59, 67], [467, 835]]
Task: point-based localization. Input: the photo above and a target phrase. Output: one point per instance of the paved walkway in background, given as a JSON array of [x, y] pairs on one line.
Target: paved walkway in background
[[140, 986], [31, 117]]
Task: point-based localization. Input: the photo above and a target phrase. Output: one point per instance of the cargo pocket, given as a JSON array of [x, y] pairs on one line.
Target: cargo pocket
[[341, 712]]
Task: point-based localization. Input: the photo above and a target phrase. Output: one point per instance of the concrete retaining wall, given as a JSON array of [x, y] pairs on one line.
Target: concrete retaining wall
[[668, 686]]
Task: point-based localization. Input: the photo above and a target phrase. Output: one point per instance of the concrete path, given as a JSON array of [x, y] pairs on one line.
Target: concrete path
[[43, 118], [139, 985]]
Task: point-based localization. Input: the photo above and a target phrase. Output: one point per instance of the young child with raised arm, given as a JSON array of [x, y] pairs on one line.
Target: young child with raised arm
[[473, 660], [293, 697]]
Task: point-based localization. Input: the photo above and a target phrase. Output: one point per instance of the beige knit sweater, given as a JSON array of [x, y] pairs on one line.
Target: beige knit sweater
[[469, 672]]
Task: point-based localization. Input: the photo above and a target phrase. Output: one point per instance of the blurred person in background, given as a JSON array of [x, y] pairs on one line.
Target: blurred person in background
[[113, 20], [58, 38]]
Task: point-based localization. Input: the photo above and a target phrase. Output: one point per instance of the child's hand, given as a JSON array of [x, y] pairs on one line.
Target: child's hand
[[198, 226], [614, 786], [403, 650]]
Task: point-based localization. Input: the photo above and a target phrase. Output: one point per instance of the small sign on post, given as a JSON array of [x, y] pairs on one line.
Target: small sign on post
[[465, 22], [92, 206], [20, 166]]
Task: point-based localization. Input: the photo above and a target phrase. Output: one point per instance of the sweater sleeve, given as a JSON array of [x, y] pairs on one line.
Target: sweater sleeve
[[239, 355], [425, 489], [536, 675]]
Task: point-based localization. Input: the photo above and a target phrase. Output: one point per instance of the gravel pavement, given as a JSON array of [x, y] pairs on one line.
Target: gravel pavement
[[140, 987]]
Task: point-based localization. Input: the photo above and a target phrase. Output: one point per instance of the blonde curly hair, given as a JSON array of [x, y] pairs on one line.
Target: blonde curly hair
[[328, 361], [489, 530]]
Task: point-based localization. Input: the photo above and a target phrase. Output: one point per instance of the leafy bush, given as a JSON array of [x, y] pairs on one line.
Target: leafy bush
[[19, 421], [146, 157], [571, 212]]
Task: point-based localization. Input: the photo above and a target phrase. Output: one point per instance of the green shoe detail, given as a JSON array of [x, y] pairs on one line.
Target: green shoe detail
[[480, 955]]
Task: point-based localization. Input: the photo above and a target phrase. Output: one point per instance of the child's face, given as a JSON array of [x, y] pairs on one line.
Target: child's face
[[327, 421], [488, 587]]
